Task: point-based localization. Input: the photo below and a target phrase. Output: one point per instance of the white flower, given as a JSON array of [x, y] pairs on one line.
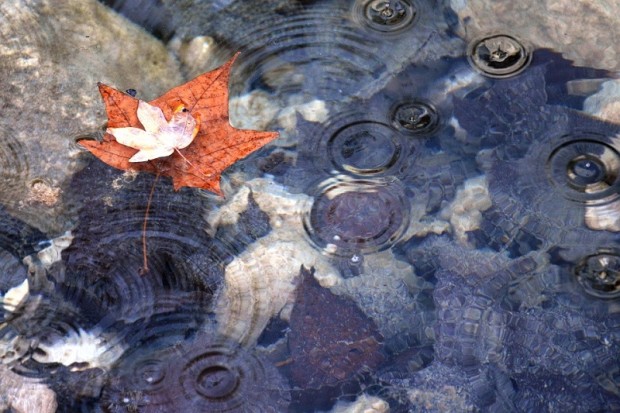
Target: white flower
[[159, 138]]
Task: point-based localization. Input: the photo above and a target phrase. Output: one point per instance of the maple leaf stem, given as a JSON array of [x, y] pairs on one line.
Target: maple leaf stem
[[145, 268]]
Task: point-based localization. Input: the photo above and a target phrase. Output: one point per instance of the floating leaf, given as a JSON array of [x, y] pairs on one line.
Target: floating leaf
[[216, 146]]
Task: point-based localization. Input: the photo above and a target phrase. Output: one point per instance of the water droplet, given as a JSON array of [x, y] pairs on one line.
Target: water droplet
[[585, 170], [415, 117], [386, 16], [498, 56], [599, 274]]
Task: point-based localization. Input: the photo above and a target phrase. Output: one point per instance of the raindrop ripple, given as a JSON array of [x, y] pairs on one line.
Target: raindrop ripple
[[357, 215]]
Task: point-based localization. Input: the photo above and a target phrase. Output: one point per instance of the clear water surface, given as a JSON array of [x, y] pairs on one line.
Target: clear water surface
[[435, 230]]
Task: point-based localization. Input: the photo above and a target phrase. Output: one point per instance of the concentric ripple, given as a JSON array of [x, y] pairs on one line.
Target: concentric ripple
[[386, 16], [13, 273], [107, 255], [332, 50], [291, 62], [357, 215], [17, 237], [142, 378], [564, 333], [142, 383], [599, 274], [528, 318], [14, 166], [202, 374], [586, 169], [44, 323], [356, 144], [566, 183], [365, 148], [225, 378], [498, 55], [124, 291], [172, 223]]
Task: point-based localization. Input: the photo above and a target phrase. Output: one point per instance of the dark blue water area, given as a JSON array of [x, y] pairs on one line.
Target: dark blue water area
[[445, 239]]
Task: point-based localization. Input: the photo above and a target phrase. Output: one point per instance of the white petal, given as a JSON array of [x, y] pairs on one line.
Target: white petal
[[147, 155], [134, 138], [151, 117], [179, 132]]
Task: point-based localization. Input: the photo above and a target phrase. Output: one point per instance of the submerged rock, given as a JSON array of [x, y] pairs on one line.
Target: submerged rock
[[259, 283], [21, 394], [439, 388]]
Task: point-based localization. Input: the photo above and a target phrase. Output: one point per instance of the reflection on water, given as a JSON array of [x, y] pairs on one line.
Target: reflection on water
[[435, 230]]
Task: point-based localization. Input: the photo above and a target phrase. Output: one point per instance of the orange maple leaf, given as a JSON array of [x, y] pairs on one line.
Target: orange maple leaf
[[216, 146]]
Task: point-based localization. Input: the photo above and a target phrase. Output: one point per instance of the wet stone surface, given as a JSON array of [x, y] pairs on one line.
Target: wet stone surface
[[436, 229]]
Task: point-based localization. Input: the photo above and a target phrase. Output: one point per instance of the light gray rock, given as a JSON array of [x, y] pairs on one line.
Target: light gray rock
[[52, 54], [606, 102]]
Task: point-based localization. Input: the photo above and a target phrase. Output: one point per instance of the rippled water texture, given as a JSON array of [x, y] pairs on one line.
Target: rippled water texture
[[437, 229]]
